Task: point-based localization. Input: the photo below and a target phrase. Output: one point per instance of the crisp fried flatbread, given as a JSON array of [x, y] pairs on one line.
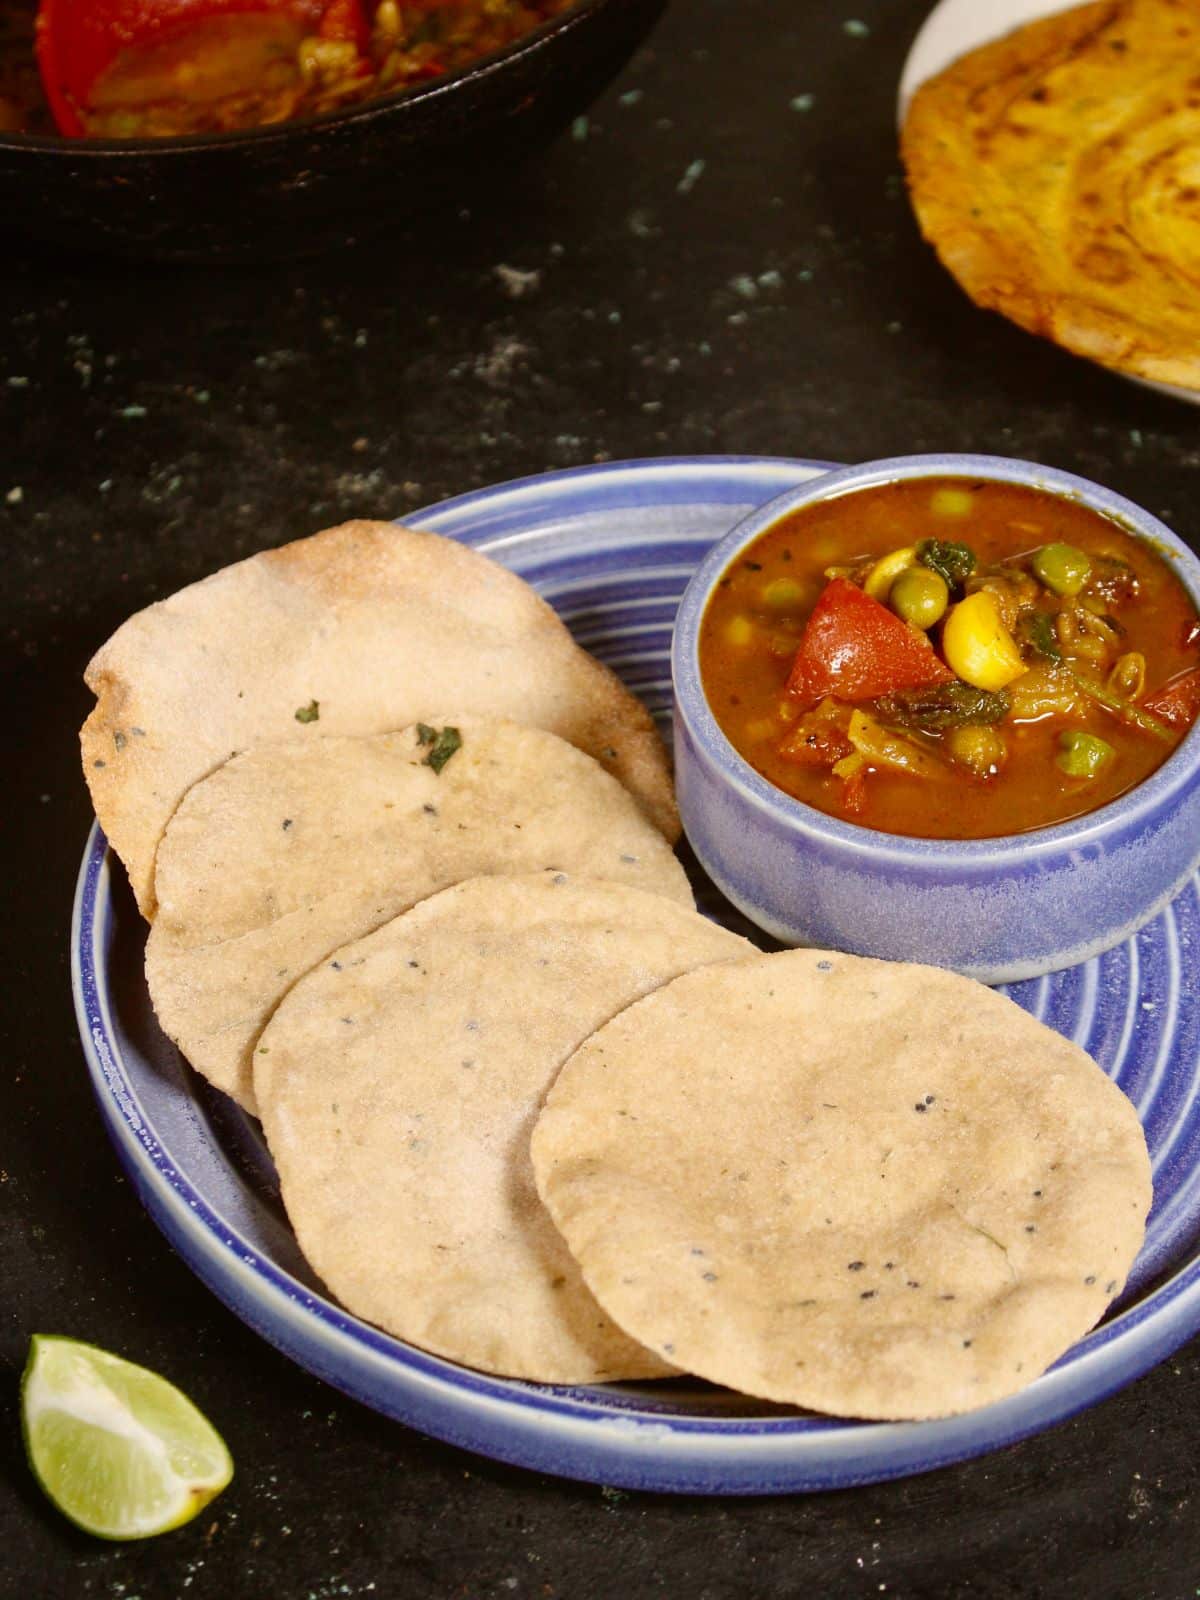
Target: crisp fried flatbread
[[361, 629], [871, 1189], [290, 850], [1057, 173], [398, 1083]]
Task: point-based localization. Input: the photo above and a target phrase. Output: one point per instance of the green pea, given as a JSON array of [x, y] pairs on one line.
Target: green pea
[[1062, 568], [1081, 755], [920, 596]]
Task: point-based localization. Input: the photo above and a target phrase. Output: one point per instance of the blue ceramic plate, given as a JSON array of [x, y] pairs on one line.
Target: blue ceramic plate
[[612, 548]]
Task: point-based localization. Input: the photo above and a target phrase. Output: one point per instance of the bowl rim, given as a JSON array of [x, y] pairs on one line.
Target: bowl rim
[[269, 133], [1181, 768]]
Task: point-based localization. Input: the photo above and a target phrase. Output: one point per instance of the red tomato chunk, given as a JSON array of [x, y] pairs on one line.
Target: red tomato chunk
[[857, 649]]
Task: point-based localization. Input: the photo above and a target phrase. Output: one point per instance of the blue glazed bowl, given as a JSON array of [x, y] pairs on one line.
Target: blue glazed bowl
[[997, 909]]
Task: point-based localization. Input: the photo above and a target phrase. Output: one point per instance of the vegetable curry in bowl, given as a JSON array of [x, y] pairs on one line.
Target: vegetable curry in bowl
[[950, 658]]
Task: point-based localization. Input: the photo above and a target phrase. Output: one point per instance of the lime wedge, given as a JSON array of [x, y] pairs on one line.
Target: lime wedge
[[118, 1449]]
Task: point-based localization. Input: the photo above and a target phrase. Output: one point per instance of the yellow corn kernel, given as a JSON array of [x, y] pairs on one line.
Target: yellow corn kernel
[[978, 647], [823, 548], [951, 502], [982, 749], [782, 592], [739, 631], [387, 19], [885, 571], [325, 58]]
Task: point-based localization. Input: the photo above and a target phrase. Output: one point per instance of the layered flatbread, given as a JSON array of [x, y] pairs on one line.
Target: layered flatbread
[[1056, 171]]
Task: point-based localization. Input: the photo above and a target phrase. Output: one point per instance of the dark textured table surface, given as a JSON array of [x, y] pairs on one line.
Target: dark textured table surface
[[721, 258]]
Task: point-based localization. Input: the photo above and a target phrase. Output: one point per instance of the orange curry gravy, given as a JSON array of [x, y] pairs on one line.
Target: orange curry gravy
[[757, 616]]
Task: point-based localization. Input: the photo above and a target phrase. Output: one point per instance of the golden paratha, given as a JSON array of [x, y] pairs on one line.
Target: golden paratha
[[1056, 172], [362, 629]]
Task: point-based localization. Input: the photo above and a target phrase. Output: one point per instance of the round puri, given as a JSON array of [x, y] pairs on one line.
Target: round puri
[[1055, 172], [871, 1189], [291, 850], [362, 629], [398, 1084]]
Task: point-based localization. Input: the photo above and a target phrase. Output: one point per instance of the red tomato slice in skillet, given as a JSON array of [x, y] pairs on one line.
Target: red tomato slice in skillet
[[854, 648], [78, 41]]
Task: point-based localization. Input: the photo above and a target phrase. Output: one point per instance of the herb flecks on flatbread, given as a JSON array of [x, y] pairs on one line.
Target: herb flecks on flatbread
[[358, 630], [294, 848], [442, 742], [398, 1083], [870, 1188]]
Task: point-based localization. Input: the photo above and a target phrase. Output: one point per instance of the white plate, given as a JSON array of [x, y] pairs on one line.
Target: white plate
[[951, 29]]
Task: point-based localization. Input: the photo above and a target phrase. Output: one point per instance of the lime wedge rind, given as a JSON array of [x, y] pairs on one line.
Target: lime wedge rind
[[119, 1450]]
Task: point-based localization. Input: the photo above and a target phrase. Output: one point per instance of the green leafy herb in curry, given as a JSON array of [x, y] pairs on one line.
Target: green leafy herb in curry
[[953, 562], [945, 705]]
